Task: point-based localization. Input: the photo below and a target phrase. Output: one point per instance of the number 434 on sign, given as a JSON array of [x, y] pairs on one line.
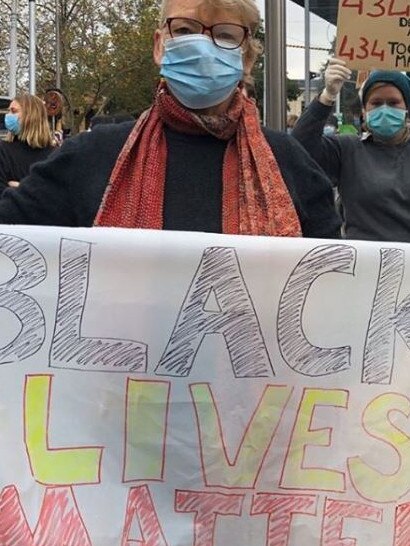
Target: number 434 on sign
[[364, 49], [378, 8]]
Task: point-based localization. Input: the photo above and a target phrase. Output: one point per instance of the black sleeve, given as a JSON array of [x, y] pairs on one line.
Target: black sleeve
[[66, 189], [309, 132], [309, 187], [43, 197], [3, 169]]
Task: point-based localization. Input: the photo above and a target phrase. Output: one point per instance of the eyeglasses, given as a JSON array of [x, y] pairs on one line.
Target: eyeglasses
[[224, 35]]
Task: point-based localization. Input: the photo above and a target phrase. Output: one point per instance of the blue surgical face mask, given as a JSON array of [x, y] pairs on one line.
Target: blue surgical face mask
[[386, 121], [329, 130], [12, 123], [198, 73]]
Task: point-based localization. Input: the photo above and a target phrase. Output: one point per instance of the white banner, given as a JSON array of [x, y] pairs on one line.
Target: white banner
[[178, 389]]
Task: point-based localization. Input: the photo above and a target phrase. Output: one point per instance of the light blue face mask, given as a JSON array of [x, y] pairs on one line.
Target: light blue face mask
[[198, 73], [386, 121], [329, 130], [12, 123]]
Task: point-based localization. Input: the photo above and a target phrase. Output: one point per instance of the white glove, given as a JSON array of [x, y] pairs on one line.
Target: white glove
[[336, 74]]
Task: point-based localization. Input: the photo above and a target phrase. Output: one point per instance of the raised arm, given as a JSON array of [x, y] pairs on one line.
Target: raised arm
[[309, 129]]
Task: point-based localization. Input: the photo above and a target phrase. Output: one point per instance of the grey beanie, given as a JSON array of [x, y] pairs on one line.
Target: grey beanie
[[397, 79]]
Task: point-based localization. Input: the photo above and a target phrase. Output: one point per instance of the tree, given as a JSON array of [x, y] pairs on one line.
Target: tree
[[106, 52], [293, 91], [135, 76]]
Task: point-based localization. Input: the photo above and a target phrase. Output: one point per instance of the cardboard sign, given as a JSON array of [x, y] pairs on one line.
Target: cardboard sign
[[177, 389], [374, 34]]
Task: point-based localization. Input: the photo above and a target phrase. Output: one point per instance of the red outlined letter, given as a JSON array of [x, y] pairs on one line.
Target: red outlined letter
[[375, 484], [297, 476], [59, 523], [243, 472], [350, 4], [336, 511], [146, 409], [207, 506], [65, 466], [404, 13], [402, 525], [141, 506], [281, 509]]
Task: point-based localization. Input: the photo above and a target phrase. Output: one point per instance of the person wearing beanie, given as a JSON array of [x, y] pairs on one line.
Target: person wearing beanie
[[370, 172]]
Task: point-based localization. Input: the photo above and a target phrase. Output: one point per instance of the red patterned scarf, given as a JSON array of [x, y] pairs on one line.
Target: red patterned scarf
[[255, 198]]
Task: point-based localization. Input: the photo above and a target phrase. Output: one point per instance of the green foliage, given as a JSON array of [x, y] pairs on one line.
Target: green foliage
[[135, 76], [106, 53], [292, 90]]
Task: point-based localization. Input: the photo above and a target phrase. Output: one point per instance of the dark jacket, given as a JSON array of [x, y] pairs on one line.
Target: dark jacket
[[16, 159], [67, 188]]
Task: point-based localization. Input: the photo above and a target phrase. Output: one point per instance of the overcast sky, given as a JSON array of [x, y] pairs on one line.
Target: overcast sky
[[322, 33]]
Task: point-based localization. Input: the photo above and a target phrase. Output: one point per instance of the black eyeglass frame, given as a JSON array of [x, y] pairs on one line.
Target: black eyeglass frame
[[246, 30]]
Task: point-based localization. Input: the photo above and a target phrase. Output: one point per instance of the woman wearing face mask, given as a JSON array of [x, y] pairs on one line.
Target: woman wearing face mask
[[197, 159], [371, 172], [28, 140]]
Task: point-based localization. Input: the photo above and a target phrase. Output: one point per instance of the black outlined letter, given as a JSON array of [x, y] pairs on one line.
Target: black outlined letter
[[31, 270], [387, 317], [296, 350], [68, 348], [218, 275]]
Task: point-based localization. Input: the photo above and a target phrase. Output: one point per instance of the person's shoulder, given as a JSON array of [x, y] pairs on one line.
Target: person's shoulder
[[349, 141], [113, 129], [277, 138], [100, 138], [271, 134], [290, 154], [281, 142]]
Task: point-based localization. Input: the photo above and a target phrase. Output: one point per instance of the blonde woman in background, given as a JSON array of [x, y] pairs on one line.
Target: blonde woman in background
[[29, 139]]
